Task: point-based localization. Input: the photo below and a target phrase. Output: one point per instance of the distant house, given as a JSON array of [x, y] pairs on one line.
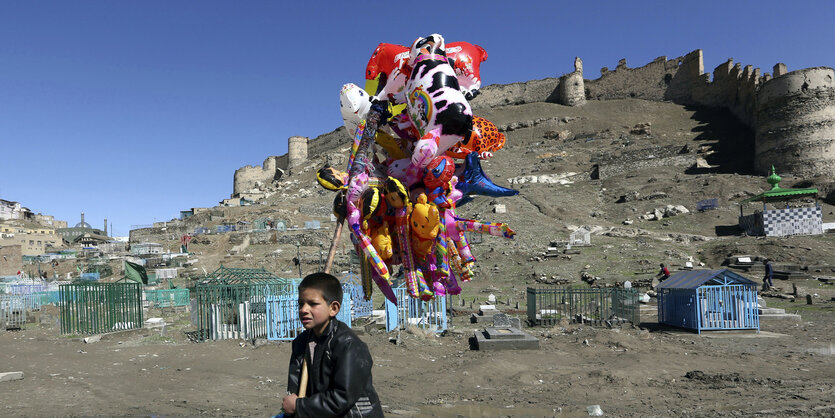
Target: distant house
[[145, 248], [34, 239], [231, 202], [11, 210]]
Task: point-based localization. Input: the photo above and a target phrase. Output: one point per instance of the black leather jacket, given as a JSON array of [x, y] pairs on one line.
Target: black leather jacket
[[339, 381]]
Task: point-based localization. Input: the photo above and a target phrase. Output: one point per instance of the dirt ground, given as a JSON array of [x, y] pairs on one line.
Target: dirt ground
[[644, 370]]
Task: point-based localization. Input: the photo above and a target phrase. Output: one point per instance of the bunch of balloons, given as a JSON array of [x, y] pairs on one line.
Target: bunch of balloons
[[400, 203]]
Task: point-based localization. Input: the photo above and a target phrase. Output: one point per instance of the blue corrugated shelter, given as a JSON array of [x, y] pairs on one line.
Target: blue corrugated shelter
[[708, 300]]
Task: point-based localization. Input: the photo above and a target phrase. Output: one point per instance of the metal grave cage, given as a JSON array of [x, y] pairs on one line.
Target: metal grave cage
[[12, 312], [708, 300], [360, 308], [283, 313], [594, 306], [232, 302], [415, 312], [94, 308], [167, 298]]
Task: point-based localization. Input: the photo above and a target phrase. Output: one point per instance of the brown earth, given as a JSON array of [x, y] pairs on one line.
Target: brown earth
[[641, 371], [786, 370]]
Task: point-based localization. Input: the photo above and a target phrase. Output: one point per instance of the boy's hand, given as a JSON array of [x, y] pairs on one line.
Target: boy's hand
[[289, 403]]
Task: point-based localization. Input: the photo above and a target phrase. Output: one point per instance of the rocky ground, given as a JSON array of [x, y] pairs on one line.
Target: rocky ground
[[555, 141], [645, 370]]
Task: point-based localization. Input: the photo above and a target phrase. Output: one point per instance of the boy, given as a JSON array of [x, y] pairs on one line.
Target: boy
[[338, 364]]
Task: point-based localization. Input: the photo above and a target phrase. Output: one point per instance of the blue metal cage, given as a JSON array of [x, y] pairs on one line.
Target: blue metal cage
[[708, 300]]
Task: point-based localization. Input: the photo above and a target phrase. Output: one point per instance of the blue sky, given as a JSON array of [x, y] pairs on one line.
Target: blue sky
[[134, 110]]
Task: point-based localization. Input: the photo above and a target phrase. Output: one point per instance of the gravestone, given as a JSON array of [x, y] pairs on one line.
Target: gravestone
[[501, 320], [504, 336], [515, 322], [485, 314]]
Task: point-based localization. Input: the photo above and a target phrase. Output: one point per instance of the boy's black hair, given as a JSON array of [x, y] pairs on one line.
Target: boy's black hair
[[327, 284]]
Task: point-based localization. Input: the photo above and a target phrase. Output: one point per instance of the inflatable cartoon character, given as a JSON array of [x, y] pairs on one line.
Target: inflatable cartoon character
[[384, 61], [434, 102], [466, 61], [465, 57], [423, 223], [331, 178], [381, 240], [484, 141]]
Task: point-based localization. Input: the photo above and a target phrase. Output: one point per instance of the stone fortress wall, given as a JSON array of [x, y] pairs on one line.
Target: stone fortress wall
[[792, 114], [251, 177]]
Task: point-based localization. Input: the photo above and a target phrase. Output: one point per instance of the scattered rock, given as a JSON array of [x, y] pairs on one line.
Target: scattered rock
[[641, 129], [10, 376], [558, 135], [654, 195], [671, 210], [629, 197], [91, 339]]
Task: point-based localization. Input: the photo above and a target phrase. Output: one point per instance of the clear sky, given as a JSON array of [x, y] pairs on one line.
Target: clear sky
[[135, 110]]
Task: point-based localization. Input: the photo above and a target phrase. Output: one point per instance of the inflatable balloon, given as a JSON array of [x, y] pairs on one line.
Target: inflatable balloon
[[484, 141], [354, 104], [439, 172], [423, 222], [466, 61], [437, 108], [381, 241], [331, 178], [400, 200], [473, 180]]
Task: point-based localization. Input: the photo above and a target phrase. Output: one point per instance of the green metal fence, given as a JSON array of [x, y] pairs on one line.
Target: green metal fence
[[93, 308], [167, 298], [231, 302], [547, 306]]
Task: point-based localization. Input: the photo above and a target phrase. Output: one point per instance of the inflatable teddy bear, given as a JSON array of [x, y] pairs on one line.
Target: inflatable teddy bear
[[424, 223]]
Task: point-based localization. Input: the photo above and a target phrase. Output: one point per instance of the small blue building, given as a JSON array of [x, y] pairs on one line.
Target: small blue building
[[708, 300]]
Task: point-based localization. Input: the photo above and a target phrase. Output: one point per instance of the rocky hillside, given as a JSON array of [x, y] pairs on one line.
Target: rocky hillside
[[628, 170]]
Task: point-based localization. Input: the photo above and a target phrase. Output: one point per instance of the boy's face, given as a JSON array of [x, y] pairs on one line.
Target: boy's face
[[314, 312]]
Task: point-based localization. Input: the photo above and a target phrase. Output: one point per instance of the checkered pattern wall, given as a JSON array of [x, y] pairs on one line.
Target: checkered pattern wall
[[793, 221]]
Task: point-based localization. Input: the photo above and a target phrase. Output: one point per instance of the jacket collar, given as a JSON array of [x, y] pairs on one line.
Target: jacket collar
[[330, 329]]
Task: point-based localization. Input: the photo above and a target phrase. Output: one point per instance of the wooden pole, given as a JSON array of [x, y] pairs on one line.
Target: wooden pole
[[303, 380], [357, 166], [332, 252]]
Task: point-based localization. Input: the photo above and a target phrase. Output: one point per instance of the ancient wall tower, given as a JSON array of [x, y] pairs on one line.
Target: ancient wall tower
[[572, 90], [795, 122], [296, 151]]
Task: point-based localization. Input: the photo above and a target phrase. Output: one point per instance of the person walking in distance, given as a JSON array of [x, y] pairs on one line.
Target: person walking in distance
[[769, 273]]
